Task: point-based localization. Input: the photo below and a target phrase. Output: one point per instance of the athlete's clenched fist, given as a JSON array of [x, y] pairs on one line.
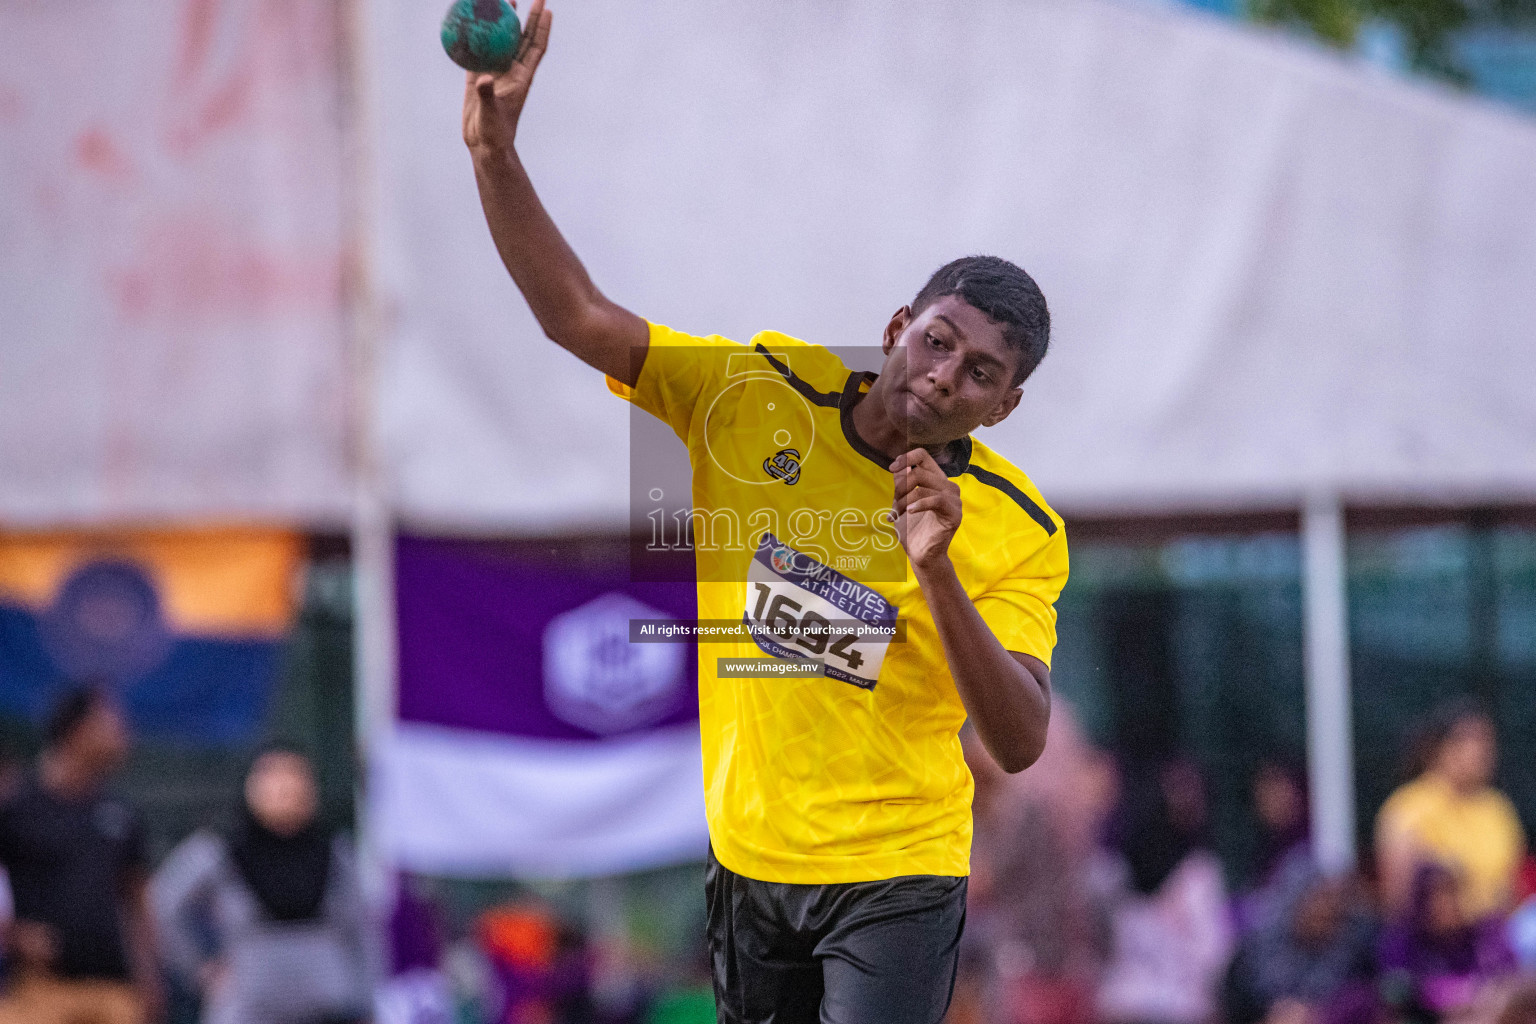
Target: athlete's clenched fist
[[926, 509]]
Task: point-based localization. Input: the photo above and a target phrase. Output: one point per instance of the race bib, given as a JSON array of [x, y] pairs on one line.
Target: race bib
[[797, 607]]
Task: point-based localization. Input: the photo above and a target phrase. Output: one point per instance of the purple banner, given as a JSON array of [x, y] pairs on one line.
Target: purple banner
[[533, 641]]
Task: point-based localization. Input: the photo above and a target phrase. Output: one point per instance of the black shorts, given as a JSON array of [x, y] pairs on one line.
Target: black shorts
[[855, 953]]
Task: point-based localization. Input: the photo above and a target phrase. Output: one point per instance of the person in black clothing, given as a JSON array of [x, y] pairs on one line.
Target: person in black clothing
[[1310, 955], [81, 943]]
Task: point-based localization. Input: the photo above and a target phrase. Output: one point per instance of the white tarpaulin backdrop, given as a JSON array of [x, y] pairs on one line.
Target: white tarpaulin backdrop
[[171, 239], [1271, 271]]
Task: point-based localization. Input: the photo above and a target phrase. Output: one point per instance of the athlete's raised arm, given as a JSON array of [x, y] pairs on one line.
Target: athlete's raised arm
[[574, 314]]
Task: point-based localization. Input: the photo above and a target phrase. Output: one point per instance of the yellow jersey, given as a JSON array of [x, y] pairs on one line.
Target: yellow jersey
[[1476, 835], [855, 774]]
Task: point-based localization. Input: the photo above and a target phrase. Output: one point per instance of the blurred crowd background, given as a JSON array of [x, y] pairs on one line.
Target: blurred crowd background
[[316, 698], [1155, 865]]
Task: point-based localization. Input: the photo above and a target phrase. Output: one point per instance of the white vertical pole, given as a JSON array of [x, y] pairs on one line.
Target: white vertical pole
[[372, 523], [1330, 730], [373, 633]]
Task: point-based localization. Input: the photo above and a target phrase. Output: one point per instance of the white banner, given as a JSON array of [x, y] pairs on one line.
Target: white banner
[[171, 333], [459, 802], [1271, 268]]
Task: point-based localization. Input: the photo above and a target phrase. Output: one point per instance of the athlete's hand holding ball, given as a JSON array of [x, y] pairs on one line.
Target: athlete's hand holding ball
[[493, 103]]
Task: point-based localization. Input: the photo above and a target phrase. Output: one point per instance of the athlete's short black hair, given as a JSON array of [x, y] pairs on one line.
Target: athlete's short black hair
[[1006, 294], [71, 711]]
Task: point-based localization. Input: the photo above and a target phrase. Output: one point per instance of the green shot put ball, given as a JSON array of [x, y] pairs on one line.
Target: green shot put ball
[[481, 35]]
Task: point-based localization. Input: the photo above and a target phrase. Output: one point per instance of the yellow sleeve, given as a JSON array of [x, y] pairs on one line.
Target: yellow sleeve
[[680, 377], [1020, 609], [1407, 809], [1514, 832], [1400, 813]]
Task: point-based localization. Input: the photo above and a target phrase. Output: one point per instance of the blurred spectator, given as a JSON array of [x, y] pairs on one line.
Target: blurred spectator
[[1435, 961], [1033, 940], [80, 944], [1282, 841], [11, 776], [1520, 1007], [7, 911], [1170, 929], [417, 990], [279, 899], [1522, 935], [1311, 956], [10, 779], [1451, 815], [1280, 805], [540, 964]]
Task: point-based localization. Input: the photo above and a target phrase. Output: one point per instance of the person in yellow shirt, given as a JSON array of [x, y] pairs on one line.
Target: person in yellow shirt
[[1450, 814], [870, 578]]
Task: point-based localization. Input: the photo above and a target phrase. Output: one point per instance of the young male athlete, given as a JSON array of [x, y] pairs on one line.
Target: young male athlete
[[849, 525]]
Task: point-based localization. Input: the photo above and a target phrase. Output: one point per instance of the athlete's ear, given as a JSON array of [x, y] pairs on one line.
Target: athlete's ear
[[1004, 406], [899, 321]]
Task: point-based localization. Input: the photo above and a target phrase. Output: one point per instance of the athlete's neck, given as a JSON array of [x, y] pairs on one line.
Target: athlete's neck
[[876, 428]]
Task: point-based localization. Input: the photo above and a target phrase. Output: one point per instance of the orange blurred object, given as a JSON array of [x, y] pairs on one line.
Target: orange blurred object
[[521, 936]]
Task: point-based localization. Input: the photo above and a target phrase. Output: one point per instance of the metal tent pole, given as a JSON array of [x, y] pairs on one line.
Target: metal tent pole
[[1330, 731], [372, 525]]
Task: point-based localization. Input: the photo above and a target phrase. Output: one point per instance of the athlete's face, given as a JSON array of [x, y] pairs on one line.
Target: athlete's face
[[949, 371]]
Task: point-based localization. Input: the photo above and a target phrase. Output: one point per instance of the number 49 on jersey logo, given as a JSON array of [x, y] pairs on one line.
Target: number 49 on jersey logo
[[783, 465]]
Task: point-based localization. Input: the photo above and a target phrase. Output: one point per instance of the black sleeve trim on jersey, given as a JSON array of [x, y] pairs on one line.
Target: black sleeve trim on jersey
[[1003, 484], [810, 394]]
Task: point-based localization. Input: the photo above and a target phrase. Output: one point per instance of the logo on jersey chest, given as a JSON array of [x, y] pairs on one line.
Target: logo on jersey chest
[[783, 465]]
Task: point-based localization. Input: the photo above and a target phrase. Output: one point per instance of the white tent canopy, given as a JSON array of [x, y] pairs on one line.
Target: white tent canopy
[[172, 340], [1272, 270]]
